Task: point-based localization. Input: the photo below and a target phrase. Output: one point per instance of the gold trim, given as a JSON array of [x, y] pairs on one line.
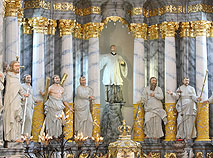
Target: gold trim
[[92, 10], [96, 120], [168, 29], [114, 19], [199, 155], [201, 27], [68, 128], [26, 26], [39, 24], [170, 155], [153, 32], [36, 4], [64, 6], [92, 30], [78, 31], [51, 27], [186, 29], [139, 30], [12, 8], [210, 31], [200, 8], [66, 27]]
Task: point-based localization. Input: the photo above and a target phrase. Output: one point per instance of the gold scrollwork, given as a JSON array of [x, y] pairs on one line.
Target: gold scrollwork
[[11, 8], [200, 8], [114, 19], [64, 6], [199, 155], [168, 29], [139, 30], [170, 155], [137, 11], [39, 24], [68, 128], [37, 4], [51, 27], [201, 27], [96, 120], [92, 30], [26, 26], [92, 10], [153, 32], [78, 31], [66, 27], [185, 29], [171, 126]]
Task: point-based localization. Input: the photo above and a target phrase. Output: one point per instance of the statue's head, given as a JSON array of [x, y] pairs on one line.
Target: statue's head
[[113, 49], [14, 66], [186, 81], [56, 79], [153, 83], [83, 81], [27, 78]]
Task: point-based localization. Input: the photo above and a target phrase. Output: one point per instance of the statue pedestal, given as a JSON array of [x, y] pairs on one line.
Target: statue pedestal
[[111, 119]]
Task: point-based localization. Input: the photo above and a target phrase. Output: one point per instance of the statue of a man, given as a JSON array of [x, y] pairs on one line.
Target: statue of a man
[[29, 104], [54, 106], [154, 112], [83, 101], [13, 111], [114, 65], [186, 108]]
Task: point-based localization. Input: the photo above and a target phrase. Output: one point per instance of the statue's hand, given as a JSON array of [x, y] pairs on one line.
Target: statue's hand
[[165, 121], [170, 92], [122, 63]]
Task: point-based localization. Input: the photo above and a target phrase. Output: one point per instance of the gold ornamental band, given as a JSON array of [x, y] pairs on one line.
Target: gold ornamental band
[[68, 128], [96, 116]]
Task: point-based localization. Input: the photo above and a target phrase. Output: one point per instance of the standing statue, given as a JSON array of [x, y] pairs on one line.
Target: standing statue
[[186, 108], [154, 112], [114, 65], [1, 89], [13, 111], [83, 103], [54, 106], [29, 104]]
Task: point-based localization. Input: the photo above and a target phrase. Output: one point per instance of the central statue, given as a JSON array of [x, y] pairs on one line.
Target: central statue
[[113, 66]]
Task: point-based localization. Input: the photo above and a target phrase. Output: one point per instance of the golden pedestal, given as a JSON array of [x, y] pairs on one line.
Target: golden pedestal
[[202, 122], [68, 128], [138, 128], [37, 120], [96, 120], [171, 126]]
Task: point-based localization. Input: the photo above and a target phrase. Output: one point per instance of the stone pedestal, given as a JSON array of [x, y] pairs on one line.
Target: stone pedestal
[[111, 119]]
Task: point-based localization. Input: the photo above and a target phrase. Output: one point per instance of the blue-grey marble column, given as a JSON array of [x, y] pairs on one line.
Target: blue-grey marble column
[[153, 58], [161, 64], [57, 52], [85, 47], [38, 67], [93, 68], [11, 38], [139, 70], [67, 65]]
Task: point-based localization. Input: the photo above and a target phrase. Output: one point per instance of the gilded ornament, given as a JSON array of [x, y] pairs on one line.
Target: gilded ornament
[[185, 29], [168, 29], [51, 27], [171, 126], [12, 8], [36, 4], [210, 30], [68, 128], [92, 30], [209, 155], [170, 155], [64, 6], [26, 26], [114, 19], [153, 32], [137, 11], [199, 155], [39, 24], [96, 120], [92, 10], [66, 27], [138, 30], [201, 27], [78, 31]]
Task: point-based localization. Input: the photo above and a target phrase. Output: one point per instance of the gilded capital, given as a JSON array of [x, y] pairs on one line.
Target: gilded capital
[[51, 27], [39, 24], [66, 26], [168, 29], [210, 31], [139, 30], [26, 26], [92, 30], [153, 32], [201, 27], [185, 29], [78, 31], [11, 7]]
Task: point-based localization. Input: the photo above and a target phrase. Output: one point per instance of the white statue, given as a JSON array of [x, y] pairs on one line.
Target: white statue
[[154, 112], [83, 117]]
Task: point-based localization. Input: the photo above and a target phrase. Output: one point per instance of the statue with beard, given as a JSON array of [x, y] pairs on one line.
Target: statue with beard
[[154, 112], [113, 65]]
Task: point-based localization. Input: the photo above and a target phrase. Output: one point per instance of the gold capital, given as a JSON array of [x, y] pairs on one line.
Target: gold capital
[[39, 24], [92, 30], [51, 27], [153, 32], [201, 27], [210, 31], [26, 26], [139, 30], [185, 29], [78, 31], [168, 29], [66, 26], [11, 7]]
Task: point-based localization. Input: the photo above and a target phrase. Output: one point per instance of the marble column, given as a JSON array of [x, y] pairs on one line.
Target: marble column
[[168, 32], [39, 25], [66, 30], [11, 30], [92, 33], [200, 28], [139, 31]]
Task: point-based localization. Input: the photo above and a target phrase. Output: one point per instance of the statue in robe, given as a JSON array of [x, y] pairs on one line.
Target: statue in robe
[[114, 66], [154, 112], [83, 103], [54, 107], [29, 104], [186, 108], [13, 112]]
